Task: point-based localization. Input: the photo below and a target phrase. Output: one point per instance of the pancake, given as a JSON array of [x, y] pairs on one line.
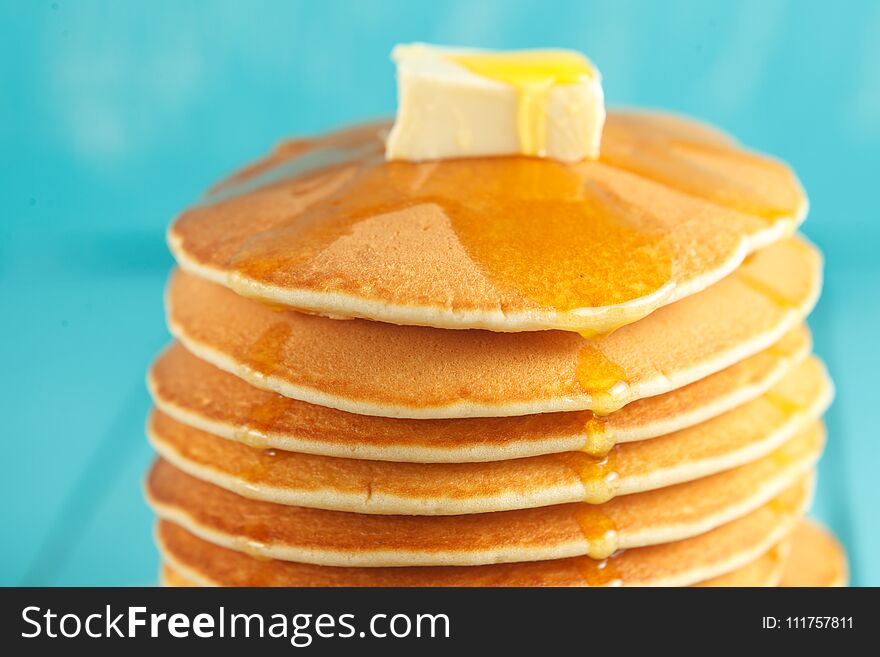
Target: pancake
[[817, 559], [729, 440], [170, 578], [207, 398], [326, 225], [337, 538], [680, 563], [381, 369], [764, 571]]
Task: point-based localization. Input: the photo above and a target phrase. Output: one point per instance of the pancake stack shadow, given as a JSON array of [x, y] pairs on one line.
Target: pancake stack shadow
[[494, 372]]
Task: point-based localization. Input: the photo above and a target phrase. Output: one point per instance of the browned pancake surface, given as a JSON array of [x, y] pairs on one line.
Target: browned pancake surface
[[729, 440], [341, 538], [381, 369], [203, 396], [680, 563]]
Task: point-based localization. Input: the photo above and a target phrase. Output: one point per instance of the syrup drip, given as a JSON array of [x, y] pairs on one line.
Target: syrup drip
[[598, 474], [255, 473], [768, 291], [261, 421], [598, 529], [604, 380], [598, 440], [601, 572], [262, 360], [253, 541]]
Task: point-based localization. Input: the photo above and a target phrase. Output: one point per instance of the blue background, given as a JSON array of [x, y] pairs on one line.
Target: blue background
[[114, 116]]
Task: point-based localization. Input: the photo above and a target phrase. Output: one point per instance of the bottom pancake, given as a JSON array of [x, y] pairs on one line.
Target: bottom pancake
[[681, 563], [811, 556], [765, 571], [817, 559], [171, 578]]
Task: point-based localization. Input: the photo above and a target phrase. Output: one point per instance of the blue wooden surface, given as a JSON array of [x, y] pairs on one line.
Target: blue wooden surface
[[113, 116]]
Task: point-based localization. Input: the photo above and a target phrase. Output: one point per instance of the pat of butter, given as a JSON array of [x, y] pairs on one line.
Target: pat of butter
[[472, 103]]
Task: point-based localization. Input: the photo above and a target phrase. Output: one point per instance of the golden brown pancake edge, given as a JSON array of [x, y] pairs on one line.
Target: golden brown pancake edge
[[431, 373], [200, 395], [726, 442]]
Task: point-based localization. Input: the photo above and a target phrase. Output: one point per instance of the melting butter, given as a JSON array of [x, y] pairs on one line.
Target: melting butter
[[455, 103], [533, 74]]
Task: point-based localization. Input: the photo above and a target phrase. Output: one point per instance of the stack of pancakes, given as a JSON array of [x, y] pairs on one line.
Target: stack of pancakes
[[496, 371]]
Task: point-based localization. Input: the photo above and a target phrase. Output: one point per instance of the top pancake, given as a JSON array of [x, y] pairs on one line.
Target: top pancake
[[374, 368], [507, 244]]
